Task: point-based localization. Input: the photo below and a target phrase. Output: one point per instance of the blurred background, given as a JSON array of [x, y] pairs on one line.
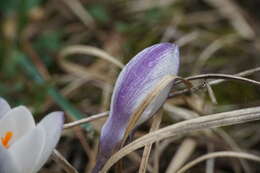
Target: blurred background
[[47, 63]]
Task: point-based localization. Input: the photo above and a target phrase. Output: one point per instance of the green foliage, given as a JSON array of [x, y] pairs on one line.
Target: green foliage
[[99, 13], [47, 44]]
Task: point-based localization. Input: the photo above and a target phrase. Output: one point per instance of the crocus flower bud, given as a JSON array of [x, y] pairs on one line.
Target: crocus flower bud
[[137, 79], [25, 146]]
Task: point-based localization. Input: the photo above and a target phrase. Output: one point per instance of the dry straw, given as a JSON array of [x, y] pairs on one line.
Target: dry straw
[[87, 50], [147, 150], [58, 158], [219, 154], [184, 127]]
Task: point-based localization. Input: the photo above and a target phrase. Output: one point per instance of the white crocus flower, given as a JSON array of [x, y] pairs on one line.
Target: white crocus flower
[[24, 146]]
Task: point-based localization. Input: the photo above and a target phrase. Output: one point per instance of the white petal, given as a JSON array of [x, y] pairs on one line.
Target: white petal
[[4, 107], [154, 106], [28, 149], [7, 164], [19, 121], [53, 125]]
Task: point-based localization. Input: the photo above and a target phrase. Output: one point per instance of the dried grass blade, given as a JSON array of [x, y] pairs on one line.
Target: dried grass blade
[[79, 10], [219, 154], [211, 94], [85, 120], [185, 150], [89, 50], [234, 146], [187, 38], [211, 49], [57, 157], [223, 76], [230, 10], [210, 163], [147, 149], [242, 74], [182, 128], [214, 82]]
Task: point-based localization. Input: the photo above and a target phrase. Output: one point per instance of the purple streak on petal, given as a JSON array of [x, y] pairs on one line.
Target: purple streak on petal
[[137, 77], [135, 81], [138, 72]]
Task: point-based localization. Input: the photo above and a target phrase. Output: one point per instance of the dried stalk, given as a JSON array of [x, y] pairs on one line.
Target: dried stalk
[[230, 10], [243, 73], [182, 155], [219, 154], [89, 50], [215, 82], [211, 94], [57, 157], [85, 120], [223, 76], [185, 39], [185, 114], [207, 53], [78, 9], [182, 128], [147, 149]]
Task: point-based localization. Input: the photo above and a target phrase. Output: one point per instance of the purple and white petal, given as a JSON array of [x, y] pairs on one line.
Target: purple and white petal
[[4, 107], [138, 78]]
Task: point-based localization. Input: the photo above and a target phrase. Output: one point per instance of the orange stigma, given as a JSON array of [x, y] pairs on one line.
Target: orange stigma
[[5, 140]]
